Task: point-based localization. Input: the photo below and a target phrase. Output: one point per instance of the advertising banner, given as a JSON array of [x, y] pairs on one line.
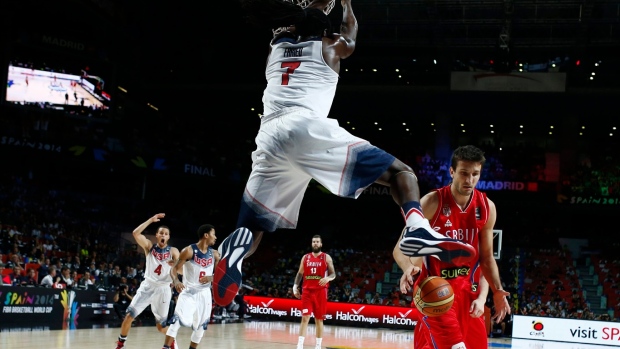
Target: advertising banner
[[53, 309], [348, 314], [594, 200], [566, 330]]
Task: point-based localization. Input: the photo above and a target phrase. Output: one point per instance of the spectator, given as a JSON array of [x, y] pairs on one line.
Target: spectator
[[44, 268], [115, 276], [50, 279], [15, 259], [15, 275], [85, 280], [65, 278], [30, 279]]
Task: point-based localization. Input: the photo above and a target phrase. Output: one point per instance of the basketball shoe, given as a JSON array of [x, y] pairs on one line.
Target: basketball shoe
[[227, 276], [424, 241], [120, 345]]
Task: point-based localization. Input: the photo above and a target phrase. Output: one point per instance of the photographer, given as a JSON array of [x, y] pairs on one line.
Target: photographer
[[122, 299]]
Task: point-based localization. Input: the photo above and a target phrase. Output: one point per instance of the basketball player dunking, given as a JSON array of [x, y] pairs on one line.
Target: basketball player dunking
[[297, 142], [155, 289], [194, 304], [461, 211]]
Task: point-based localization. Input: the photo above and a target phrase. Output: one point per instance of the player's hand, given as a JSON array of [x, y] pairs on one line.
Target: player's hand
[[206, 279], [406, 281], [323, 281], [476, 309], [157, 217], [179, 286], [502, 307]]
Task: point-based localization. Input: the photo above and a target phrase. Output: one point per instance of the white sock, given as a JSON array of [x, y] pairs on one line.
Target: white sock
[[416, 222], [318, 342], [459, 345], [300, 341]]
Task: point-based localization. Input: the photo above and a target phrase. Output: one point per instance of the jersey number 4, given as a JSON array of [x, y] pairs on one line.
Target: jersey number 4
[[290, 69], [157, 270]]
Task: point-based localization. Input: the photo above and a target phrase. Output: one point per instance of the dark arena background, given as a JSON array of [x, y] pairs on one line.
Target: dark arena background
[[113, 111]]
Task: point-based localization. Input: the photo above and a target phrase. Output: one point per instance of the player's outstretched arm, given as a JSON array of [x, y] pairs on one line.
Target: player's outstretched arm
[[145, 243], [348, 31], [411, 266]]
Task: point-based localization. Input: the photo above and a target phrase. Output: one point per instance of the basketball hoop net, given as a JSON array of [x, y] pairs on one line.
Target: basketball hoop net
[[304, 4]]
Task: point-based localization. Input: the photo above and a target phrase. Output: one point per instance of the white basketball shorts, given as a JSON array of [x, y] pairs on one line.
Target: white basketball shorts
[[194, 307], [294, 147], [157, 295]]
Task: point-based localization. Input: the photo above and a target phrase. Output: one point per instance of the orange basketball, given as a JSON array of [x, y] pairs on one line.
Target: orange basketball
[[433, 296]]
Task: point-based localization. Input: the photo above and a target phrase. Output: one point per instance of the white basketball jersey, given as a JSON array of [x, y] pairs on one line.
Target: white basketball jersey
[[200, 265], [297, 76], [157, 267]]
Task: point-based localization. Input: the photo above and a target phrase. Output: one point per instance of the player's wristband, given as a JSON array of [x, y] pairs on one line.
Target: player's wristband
[[294, 288]]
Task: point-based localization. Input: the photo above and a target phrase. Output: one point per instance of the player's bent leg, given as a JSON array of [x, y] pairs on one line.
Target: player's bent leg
[[162, 328], [424, 241], [160, 307], [172, 332], [197, 335], [227, 275]]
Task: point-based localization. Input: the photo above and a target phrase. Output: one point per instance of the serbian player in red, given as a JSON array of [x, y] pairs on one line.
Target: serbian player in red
[[317, 270], [460, 211]]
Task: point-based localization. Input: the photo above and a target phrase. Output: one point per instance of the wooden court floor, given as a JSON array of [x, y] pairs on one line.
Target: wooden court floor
[[247, 335]]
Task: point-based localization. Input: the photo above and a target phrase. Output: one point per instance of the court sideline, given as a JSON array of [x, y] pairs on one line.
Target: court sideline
[[247, 335]]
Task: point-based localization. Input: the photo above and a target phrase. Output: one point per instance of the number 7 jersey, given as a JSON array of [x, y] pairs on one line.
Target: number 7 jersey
[[157, 267], [298, 76]]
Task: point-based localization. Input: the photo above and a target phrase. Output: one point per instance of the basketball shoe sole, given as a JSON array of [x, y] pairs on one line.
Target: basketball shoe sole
[[419, 242], [227, 276]]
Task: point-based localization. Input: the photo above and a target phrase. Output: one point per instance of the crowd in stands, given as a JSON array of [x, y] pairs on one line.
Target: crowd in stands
[[607, 267]]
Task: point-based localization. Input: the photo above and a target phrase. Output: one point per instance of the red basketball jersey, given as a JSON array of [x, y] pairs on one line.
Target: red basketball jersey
[[460, 224], [315, 268], [465, 225]]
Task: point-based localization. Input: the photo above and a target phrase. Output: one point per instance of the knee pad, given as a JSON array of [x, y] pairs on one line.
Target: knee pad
[[132, 312], [173, 329], [197, 335]]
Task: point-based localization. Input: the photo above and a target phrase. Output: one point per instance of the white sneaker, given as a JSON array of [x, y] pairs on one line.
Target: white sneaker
[[424, 241]]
